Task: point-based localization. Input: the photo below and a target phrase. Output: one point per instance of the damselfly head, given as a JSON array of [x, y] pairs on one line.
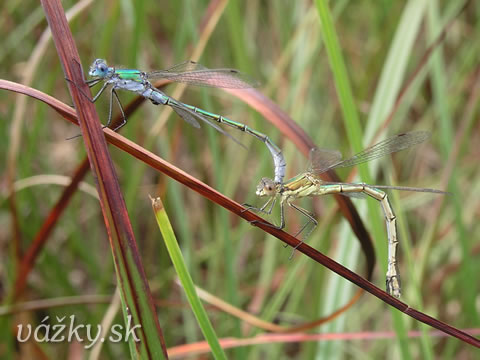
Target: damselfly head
[[266, 187], [99, 68]]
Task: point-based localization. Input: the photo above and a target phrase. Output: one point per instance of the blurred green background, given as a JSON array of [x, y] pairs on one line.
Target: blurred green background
[[280, 43]]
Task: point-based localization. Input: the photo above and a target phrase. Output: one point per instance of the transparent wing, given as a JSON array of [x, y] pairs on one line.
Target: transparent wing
[[321, 159], [192, 73], [186, 115], [191, 117], [385, 147], [185, 66]]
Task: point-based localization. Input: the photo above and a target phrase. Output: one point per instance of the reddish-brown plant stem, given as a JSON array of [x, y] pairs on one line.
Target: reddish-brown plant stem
[[113, 206]]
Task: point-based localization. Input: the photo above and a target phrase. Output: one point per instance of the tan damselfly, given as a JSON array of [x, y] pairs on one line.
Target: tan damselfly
[[310, 184]]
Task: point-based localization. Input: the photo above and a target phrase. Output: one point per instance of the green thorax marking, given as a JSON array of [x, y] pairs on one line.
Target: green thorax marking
[[129, 74]]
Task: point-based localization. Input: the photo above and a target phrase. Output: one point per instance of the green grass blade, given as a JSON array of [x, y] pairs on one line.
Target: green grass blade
[[393, 72], [185, 278]]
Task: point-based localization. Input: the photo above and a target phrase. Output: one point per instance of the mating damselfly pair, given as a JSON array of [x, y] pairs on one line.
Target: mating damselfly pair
[[303, 185]]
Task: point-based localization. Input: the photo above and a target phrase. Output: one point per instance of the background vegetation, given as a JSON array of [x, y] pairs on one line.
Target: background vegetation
[[280, 43]]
